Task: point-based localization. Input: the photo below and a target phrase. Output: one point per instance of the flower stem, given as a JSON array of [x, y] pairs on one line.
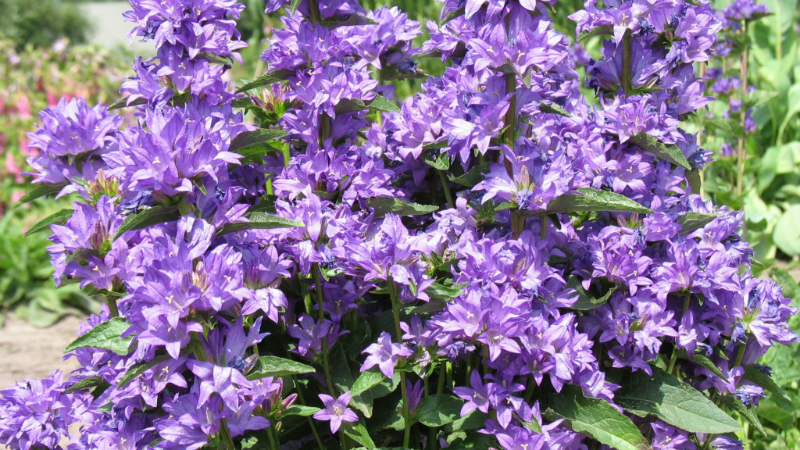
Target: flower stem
[[740, 153], [113, 311], [321, 316], [627, 85], [309, 419], [447, 194], [674, 358], [399, 333]]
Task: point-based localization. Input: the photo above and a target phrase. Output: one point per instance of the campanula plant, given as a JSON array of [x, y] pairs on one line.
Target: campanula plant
[[301, 262]]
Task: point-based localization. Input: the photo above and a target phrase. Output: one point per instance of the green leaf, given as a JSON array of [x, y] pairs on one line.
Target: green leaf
[[786, 234], [457, 13], [148, 217], [593, 200], [273, 366], [59, 218], [88, 384], [442, 162], [139, 369], [255, 138], [358, 432], [692, 221], [596, 418], [552, 108], [212, 58], [385, 205], [260, 221], [342, 378], [765, 381], [674, 402], [123, 103], [704, 362], [669, 153], [757, 98], [106, 335], [437, 410], [602, 30], [749, 414], [299, 410], [438, 290], [40, 191], [586, 301], [295, 4], [266, 79], [366, 381], [472, 177], [380, 103]]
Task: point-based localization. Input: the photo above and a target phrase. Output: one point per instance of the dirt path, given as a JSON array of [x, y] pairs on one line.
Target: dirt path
[[28, 352]]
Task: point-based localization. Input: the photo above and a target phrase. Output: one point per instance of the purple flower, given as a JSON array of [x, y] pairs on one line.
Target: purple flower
[[385, 355], [336, 411]]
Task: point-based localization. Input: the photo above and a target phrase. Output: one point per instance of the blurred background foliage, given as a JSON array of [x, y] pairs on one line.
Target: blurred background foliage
[[46, 55]]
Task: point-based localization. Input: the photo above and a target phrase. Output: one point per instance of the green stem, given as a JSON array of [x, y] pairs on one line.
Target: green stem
[[740, 153], [740, 354], [447, 194], [674, 358], [314, 11], [399, 333], [310, 421], [112, 306], [321, 317], [626, 63], [511, 120], [543, 234]]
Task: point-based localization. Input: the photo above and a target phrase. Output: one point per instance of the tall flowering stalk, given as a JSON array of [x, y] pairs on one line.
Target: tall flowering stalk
[[492, 264]]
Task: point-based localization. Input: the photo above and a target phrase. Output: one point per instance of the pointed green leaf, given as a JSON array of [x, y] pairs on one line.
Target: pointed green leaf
[[437, 410], [586, 301], [704, 362], [123, 103], [380, 103], [148, 217], [596, 418], [441, 162], [765, 381], [88, 384], [472, 177], [59, 218], [749, 414], [266, 79], [258, 137], [40, 191], [385, 205], [669, 153], [299, 410], [260, 221], [602, 30], [692, 221], [593, 200], [139, 369], [106, 335], [673, 401], [273, 366], [366, 381], [552, 108], [358, 432]]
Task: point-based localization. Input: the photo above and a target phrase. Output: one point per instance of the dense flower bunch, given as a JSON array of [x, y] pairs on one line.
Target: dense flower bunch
[[493, 264]]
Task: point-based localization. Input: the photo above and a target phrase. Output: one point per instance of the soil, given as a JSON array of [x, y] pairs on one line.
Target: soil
[[29, 352]]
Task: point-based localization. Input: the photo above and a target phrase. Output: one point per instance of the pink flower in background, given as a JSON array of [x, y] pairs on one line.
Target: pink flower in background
[[24, 108]]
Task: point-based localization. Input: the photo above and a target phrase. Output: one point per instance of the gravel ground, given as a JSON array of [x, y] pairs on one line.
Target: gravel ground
[[28, 352]]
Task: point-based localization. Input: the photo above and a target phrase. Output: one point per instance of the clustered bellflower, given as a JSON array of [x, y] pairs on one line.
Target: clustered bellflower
[[312, 252]]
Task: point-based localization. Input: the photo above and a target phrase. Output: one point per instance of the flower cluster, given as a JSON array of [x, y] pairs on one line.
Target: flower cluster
[[435, 275]]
